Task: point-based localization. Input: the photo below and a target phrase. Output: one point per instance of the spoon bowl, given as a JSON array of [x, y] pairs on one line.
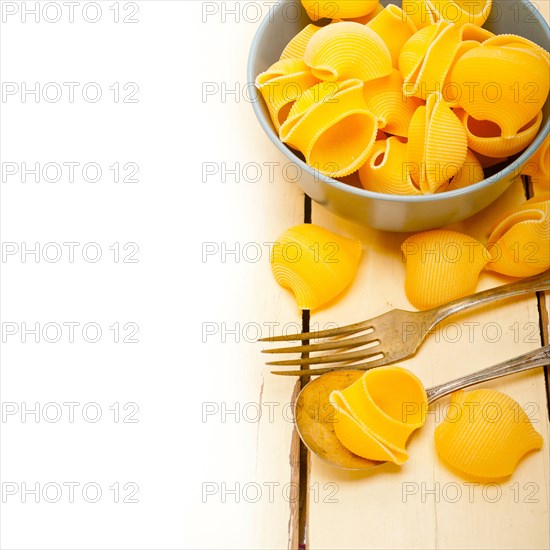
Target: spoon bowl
[[315, 416]]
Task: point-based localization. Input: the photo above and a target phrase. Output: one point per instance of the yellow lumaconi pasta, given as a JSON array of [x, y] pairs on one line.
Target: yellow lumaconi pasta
[[520, 242], [334, 130], [386, 169], [347, 50], [437, 145], [435, 62], [504, 85], [394, 111], [442, 265], [459, 12], [282, 84], [485, 434], [376, 415], [484, 136], [395, 28], [414, 51], [538, 168], [515, 41], [297, 46], [470, 173], [338, 9], [315, 264]]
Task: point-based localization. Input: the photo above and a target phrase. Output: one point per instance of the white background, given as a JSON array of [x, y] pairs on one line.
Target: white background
[[169, 292]]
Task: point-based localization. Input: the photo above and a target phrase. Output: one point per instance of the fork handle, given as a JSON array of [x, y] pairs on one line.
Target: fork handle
[[533, 359], [525, 286]]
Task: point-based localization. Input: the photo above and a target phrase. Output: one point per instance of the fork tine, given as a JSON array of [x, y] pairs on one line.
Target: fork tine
[[348, 329], [324, 359], [331, 344], [316, 372]]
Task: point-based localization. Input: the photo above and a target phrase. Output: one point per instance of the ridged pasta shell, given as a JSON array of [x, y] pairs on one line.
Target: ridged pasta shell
[[395, 28], [422, 12], [515, 41], [338, 9], [459, 12], [442, 265], [334, 134], [437, 145], [282, 84], [538, 168], [436, 62], [386, 169], [376, 415], [384, 98], [485, 434], [315, 264], [347, 50], [496, 81], [484, 137], [297, 46], [414, 51], [470, 173], [520, 242]]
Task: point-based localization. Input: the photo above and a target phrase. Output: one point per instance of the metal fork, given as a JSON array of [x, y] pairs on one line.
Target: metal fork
[[395, 335]]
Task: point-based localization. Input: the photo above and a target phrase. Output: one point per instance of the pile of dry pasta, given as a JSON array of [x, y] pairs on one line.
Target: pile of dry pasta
[[410, 100]]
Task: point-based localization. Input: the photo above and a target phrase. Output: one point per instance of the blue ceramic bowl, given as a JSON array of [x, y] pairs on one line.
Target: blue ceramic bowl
[[377, 210]]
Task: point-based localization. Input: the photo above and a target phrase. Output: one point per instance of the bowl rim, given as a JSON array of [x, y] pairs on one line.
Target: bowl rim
[[267, 125]]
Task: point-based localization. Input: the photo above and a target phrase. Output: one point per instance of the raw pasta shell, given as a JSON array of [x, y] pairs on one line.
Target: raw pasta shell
[[484, 137], [422, 12], [334, 134], [297, 46], [377, 414], [417, 145], [446, 145], [436, 62], [386, 170], [470, 173], [485, 434], [347, 50], [414, 51], [338, 9], [384, 98], [520, 243], [395, 28], [314, 263], [442, 265], [282, 84], [459, 12], [515, 41], [502, 77]]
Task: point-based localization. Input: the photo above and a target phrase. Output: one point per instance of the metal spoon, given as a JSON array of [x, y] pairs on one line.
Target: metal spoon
[[314, 415]]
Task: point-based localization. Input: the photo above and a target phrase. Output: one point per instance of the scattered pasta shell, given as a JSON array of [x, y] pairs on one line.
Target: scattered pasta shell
[[386, 169], [470, 173], [282, 84], [347, 50], [520, 241], [538, 168], [384, 98], [442, 266], [376, 415], [459, 12], [437, 145], [484, 136], [334, 131], [485, 434], [297, 46], [338, 9], [395, 28], [506, 86], [315, 264]]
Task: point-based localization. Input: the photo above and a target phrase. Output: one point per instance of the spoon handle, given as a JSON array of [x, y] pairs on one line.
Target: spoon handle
[[530, 360]]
